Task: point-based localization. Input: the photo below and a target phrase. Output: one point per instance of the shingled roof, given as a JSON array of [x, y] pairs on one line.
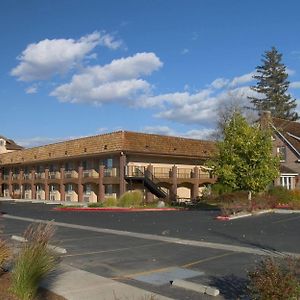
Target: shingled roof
[[125, 141], [290, 130], [10, 144]]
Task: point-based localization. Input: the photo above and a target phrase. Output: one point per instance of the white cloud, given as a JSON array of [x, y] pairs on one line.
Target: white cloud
[[290, 72], [42, 60], [119, 80], [219, 83], [31, 90], [246, 78], [202, 134], [295, 85]]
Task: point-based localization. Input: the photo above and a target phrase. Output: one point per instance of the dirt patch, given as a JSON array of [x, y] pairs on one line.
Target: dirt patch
[[43, 294]]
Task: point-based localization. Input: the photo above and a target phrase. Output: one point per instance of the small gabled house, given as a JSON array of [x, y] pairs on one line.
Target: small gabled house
[[286, 145], [8, 145]]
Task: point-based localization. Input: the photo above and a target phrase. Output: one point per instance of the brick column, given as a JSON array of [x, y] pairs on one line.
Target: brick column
[[80, 185], [10, 187], [173, 192], [61, 184], [1, 182], [47, 194], [149, 195], [101, 189], [195, 190], [21, 180], [122, 174], [33, 188]]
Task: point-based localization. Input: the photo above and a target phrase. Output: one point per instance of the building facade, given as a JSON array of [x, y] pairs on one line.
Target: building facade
[[93, 168]]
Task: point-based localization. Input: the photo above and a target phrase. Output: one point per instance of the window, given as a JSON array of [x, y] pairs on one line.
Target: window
[[69, 188], [281, 152], [109, 163], [108, 189], [287, 182], [87, 189]]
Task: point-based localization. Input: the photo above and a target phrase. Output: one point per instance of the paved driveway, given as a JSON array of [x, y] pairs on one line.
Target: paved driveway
[[147, 249]]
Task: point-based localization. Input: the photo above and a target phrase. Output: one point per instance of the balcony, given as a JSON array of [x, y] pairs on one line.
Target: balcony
[[54, 175], [15, 176], [27, 176], [184, 173], [5, 177], [40, 175], [71, 174], [162, 172], [112, 172], [90, 174]]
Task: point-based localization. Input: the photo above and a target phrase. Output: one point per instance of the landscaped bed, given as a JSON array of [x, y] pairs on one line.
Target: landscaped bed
[[5, 294]]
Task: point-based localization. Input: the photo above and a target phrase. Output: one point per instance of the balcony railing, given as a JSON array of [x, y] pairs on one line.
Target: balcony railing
[[90, 174], [184, 173], [159, 172], [54, 175], [5, 177], [110, 172], [40, 175], [71, 174], [15, 176], [27, 176]]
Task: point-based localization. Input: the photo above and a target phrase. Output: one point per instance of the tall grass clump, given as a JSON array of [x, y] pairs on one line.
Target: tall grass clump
[[4, 254], [34, 261], [110, 202], [131, 199], [275, 279]]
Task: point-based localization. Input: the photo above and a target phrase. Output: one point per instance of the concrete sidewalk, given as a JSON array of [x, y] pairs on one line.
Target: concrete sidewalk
[[76, 284]]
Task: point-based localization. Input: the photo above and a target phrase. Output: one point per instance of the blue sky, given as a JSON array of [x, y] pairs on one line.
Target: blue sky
[[78, 68]]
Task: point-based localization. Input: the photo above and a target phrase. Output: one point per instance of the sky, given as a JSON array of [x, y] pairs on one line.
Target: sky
[[71, 68]]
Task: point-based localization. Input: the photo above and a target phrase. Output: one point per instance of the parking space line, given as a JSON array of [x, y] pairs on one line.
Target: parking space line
[[113, 250], [154, 237], [207, 259]]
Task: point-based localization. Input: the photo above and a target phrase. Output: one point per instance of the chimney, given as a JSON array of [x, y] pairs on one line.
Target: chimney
[[265, 119]]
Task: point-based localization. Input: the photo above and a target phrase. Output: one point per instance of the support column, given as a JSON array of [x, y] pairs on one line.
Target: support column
[[21, 180], [10, 186], [173, 192], [47, 194], [80, 185], [195, 190], [33, 188], [101, 189], [1, 183], [122, 166], [149, 195], [61, 184]]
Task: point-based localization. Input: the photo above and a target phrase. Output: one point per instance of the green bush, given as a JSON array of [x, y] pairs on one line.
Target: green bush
[[33, 262], [96, 204], [275, 280], [131, 199], [219, 189], [110, 202], [282, 194]]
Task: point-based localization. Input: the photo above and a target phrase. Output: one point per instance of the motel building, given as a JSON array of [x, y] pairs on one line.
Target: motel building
[[94, 168]]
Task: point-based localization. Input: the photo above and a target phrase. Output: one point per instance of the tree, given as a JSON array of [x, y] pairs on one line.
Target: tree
[[245, 160], [272, 86]]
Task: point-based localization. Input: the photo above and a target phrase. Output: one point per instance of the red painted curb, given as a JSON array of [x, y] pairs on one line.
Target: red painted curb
[[222, 218], [108, 209]]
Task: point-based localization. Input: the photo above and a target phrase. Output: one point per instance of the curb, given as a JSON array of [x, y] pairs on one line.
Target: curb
[[51, 247], [196, 287]]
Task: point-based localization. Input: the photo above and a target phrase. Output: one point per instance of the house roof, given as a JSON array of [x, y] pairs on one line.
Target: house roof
[[125, 141], [286, 170], [290, 130], [10, 144]]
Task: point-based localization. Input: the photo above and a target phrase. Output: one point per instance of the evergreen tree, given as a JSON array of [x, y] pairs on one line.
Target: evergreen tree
[[272, 85], [245, 160]]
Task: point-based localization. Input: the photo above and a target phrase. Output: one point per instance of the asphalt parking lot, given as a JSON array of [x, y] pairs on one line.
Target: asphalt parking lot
[[148, 249]]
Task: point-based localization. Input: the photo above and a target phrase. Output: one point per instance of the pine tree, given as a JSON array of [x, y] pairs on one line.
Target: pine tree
[[272, 85]]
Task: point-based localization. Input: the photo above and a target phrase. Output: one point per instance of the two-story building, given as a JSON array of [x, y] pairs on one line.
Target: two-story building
[[92, 168]]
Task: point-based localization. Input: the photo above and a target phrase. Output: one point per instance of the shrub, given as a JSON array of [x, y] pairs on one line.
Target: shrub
[[275, 280], [131, 199], [4, 254], [110, 202], [220, 189], [282, 194], [33, 262], [96, 204]]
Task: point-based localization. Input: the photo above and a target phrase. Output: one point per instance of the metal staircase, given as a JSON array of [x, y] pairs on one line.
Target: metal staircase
[[141, 175]]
